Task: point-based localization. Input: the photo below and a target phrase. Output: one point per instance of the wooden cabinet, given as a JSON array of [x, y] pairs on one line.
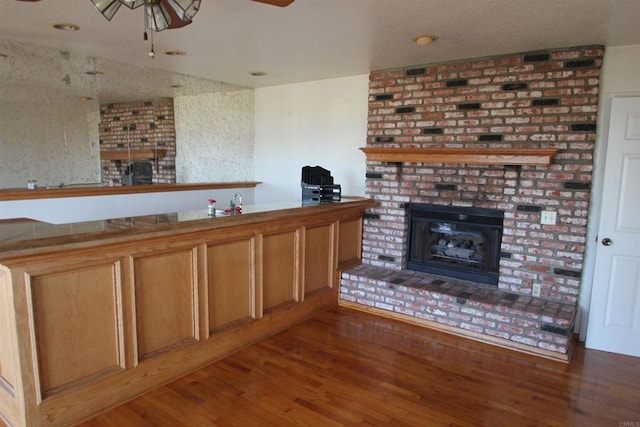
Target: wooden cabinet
[[165, 301], [349, 243], [7, 349], [76, 317], [88, 325], [231, 282], [319, 258], [280, 265]]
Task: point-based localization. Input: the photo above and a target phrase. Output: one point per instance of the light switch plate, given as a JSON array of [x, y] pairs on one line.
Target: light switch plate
[[536, 290], [548, 217]]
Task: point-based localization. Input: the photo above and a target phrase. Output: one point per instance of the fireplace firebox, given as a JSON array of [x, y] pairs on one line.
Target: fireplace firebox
[[457, 242]]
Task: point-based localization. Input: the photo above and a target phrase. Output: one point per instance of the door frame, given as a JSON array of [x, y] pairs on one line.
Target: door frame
[[595, 208]]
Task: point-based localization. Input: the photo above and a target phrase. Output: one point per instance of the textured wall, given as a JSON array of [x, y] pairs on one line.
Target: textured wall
[[215, 134], [51, 142], [47, 131]]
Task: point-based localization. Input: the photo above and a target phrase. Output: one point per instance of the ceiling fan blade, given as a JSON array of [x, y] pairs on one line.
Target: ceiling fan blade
[[281, 3]]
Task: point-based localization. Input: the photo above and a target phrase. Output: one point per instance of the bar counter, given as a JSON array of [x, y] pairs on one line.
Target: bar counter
[[26, 236], [93, 314]]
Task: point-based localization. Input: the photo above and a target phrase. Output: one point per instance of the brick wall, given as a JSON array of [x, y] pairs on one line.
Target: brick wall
[[541, 99], [139, 125]]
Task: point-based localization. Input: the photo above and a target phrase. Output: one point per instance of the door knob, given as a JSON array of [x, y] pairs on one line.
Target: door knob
[[607, 241]]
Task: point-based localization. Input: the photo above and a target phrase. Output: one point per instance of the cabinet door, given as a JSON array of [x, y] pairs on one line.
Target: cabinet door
[[165, 301], [280, 261], [319, 264], [349, 242], [77, 320], [7, 362], [231, 282]]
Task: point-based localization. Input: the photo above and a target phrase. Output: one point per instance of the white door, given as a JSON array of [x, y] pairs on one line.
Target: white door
[[614, 315]]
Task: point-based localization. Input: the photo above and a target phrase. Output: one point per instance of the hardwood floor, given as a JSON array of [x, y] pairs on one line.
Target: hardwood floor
[[346, 368]]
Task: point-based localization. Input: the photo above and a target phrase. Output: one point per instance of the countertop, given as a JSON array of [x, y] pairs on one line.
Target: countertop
[[19, 236]]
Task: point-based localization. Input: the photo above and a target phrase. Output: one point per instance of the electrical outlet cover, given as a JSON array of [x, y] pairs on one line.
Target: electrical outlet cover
[[548, 217]]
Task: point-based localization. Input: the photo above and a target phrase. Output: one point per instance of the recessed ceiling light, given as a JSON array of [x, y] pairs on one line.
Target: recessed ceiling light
[[258, 73], [174, 52], [176, 86], [64, 26], [93, 73], [85, 98], [3, 55], [425, 39]]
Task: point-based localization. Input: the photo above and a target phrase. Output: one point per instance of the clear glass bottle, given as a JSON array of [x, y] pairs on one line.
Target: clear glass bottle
[[211, 208]]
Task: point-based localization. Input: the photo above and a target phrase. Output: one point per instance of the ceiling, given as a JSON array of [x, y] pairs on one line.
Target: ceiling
[[319, 39]]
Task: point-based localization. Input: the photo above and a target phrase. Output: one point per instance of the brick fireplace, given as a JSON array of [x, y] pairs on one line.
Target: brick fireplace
[[535, 100], [132, 128]]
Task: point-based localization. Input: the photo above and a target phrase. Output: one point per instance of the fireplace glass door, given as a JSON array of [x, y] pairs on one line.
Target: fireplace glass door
[[456, 242]]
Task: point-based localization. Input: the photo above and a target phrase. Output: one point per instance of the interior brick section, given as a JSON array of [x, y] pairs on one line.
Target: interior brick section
[[543, 99], [139, 125], [481, 309]]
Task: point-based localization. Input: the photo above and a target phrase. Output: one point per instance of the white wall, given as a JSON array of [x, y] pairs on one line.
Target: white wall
[[320, 123], [620, 76]]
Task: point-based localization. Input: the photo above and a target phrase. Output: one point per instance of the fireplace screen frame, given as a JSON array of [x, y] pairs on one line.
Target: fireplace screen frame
[[453, 221]]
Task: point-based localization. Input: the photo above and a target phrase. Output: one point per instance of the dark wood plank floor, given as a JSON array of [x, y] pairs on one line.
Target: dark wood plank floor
[[345, 368]]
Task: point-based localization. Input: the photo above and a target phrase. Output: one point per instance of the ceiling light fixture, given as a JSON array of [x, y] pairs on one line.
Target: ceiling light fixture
[[174, 52], [64, 26], [258, 73], [425, 39], [158, 14]]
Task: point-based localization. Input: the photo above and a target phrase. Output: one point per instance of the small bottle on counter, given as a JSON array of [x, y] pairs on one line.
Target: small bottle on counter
[[211, 208]]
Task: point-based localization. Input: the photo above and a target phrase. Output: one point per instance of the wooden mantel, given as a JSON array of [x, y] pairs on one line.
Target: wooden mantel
[[470, 156], [150, 154]]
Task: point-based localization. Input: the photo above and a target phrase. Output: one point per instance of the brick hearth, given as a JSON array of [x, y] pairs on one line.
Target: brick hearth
[[542, 99], [478, 309]]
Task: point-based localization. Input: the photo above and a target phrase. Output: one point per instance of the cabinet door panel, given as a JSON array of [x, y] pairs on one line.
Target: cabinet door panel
[[165, 301], [77, 325], [280, 257], [349, 241], [7, 365], [231, 282], [318, 258]]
